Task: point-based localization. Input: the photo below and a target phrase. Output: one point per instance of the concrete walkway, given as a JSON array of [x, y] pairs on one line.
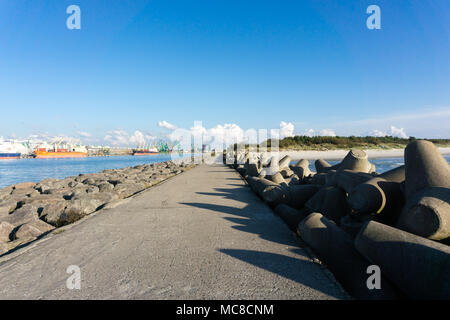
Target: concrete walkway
[[200, 235]]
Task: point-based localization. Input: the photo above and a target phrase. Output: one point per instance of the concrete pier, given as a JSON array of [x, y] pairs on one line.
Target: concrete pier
[[202, 234]]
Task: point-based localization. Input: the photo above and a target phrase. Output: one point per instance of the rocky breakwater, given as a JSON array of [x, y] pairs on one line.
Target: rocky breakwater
[[356, 220], [29, 210]]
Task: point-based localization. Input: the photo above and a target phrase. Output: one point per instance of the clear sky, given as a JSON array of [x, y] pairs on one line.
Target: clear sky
[[312, 64]]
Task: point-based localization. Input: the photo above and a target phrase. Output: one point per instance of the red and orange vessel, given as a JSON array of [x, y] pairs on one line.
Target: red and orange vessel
[[144, 152], [42, 153]]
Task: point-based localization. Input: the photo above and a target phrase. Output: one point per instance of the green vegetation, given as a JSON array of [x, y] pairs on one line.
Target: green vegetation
[[333, 143]]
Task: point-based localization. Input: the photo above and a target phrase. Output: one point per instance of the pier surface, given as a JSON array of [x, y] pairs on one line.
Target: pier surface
[[199, 235]]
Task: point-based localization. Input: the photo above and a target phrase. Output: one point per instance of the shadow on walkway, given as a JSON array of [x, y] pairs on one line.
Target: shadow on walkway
[[301, 271], [255, 217]]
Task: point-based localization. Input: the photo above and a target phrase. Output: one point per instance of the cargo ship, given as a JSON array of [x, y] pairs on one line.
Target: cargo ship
[[8, 150], [145, 152], [77, 152], [9, 155]]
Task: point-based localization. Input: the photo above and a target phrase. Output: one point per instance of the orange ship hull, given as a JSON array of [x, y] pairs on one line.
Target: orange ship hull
[[145, 153], [52, 155]]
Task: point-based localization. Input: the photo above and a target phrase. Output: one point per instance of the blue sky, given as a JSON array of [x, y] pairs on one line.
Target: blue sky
[[313, 64]]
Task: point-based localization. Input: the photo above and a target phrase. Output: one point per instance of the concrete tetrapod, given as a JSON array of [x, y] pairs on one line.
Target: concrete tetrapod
[[335, 247], [291, 216], [424, 167], [319, 178], [277, 178], [356, 160], [259, 185], [346, 179], [284, 162], [301, 169], [331, 202], [381, 194], [427, 214], [417, 266], [300, 194], [427, 190], [322, 166]]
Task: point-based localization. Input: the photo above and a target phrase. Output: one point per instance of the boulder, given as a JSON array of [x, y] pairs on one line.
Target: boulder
[[5, 231], [105, 187], [24, 185], [33, 229], [417, 266], [24, 214], [52, 211], [6, 207], [77, 209], [335, 247], [125, 190]]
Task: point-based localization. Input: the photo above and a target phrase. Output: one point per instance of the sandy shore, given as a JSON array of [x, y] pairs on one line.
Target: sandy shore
[[339, 154]]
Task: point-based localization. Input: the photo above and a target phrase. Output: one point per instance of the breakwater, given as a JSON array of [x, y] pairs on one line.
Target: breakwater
[[29, 210], [359, 221]]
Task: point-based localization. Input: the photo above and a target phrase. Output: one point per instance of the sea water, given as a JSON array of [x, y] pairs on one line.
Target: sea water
[[20, 170]]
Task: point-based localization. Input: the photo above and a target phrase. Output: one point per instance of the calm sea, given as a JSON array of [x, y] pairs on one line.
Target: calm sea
[[21, 170]]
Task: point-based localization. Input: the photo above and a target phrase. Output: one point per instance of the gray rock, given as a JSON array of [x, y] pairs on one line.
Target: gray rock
[[105, 187], [6, 207], [125, 190], [24, 214], [5, 231], [24, 185], [32, 229], [52, 211]]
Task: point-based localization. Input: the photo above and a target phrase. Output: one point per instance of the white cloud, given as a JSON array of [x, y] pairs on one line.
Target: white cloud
[[84, 134], [394, 132], [286, 130], [167, 125], [322, 132], [122, 138], [327, 132], [398, 132], [431, 122]]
